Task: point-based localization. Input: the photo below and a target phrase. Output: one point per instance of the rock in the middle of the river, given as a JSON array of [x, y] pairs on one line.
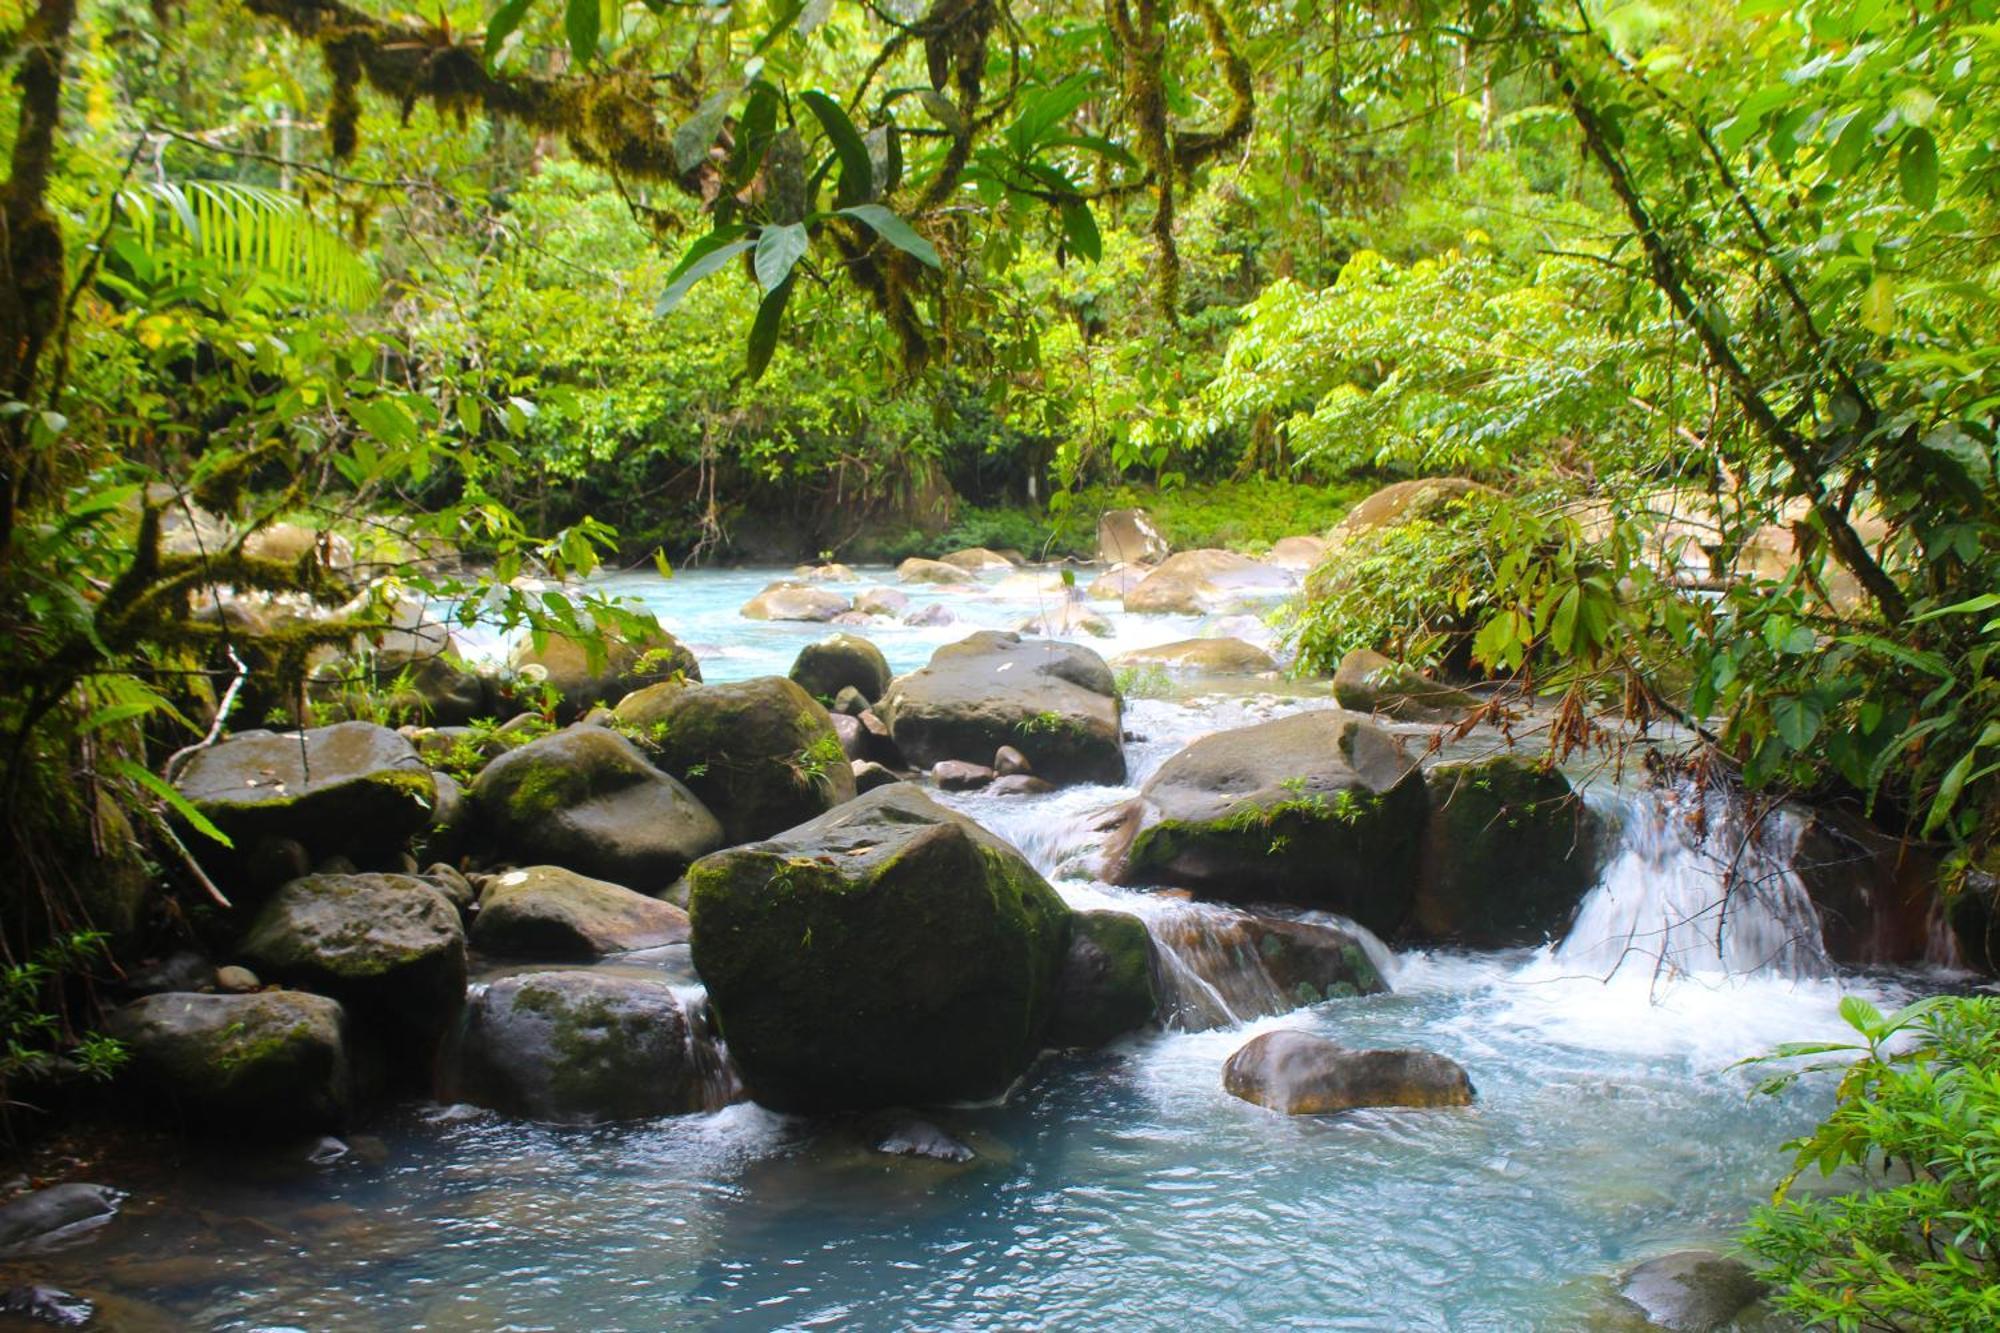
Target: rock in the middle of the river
[[889, 952], [1321, 808]]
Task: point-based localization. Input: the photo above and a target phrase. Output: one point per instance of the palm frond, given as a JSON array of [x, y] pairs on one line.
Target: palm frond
[[249, 228]]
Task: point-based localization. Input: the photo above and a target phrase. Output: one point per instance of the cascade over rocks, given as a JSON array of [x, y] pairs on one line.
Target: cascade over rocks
[[270, 1064], [1207, 583], [625, 665], [1129, 536], [888, 952], [388, 947], [1301, 1074], [352, 789], [1320, 808], [549, 914], [1509, 852], [587, 800], [795, 601], [1108, 986], [845, 661], [1367, 682], [1257, 966], [1054, 702], [580, 1047], [762, 754], [1202, 657]]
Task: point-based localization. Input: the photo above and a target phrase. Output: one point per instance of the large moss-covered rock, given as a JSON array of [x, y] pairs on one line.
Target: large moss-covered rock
[[1202, 657], [795, 601], [579, 1046], [1301, 1074], [1320, 808], [1055, 702], [1367, 682], [1108, 985], [1209, 582], [1509, 852], [388, 947], [554, 915], [844, 661], [587, 800], [623, 665], [352, 789], [762, 754], [270, 1064], [888, 952]]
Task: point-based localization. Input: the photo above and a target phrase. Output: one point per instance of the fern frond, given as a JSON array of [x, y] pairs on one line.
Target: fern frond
[[251, 229]]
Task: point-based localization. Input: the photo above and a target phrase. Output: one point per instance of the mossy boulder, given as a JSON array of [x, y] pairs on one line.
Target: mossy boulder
[[1301, 1074], [1367, 682], [1209, 582], [1202, 657], [888, 952], [587, 799], [1509, 852], [918, 570], [762, 754], [268, 1065], [583, 680], [579, 1047], [844, 661], [1108, 985], [789, 600], [1320, 808], [549, 914], [1055, 702], [389, 947], [353, 789]]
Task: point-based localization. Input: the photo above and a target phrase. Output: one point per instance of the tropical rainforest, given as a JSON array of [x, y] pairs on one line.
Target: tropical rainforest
[[358, 306]]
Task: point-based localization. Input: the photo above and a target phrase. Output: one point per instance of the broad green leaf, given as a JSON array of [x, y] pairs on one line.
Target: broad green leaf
[[778, 249], [753, 133], [505, 20], [1081, 229], [1878, 306], [694, 136], [895, 231], [943, 110], [581, 20], [857, 177], [707, 255], [1797, 719], [1917, 168], [764, 329], [1860, 1015]]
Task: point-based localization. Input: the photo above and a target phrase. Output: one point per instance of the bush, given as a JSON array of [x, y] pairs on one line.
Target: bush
[[1918, 1246]]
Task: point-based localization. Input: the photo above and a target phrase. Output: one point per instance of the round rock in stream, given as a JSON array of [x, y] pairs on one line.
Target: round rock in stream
[[845, 661], [550, 914], [1301, 1074], [1108, 981], [270, 1064], [1509, 853], [1054, 702], [890, 952], [1692, 1291], [1320, 808], [578, 1046], [622, 665]]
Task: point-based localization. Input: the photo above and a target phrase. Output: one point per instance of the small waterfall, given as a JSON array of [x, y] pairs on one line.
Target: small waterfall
[[715, 1076], [1698, 883]]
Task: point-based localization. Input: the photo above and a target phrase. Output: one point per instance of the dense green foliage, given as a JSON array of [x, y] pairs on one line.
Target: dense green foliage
[[1915, 1243]]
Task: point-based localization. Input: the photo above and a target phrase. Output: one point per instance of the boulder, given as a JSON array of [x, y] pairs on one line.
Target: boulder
[[795, 601], [957, 775], [1256, 965], [1054, 702], [234, 980], [1876, 894], [587, 800], [762, 754], [1367, 682], [1692, 1291], [1129, 536], [1068, 619], [352, 789], [270, 1064], [1008, 761], [291, 543], [1202, 657], [622, 666], [1208, 583], [1108, 985], [827, 573], [844, 661], [1019, 784], [1320, 808], [388, 947], [930, 617], [578, 1047], [853, 736], [1402, 502], [1298, 554], [868, 775], [552, 915], [881, 602], [918, 570], [976, 560], [1510, 850], [850, 701], [1114, 583], [44, 1215], [1301, 1074], [417, 662], [888, 952]]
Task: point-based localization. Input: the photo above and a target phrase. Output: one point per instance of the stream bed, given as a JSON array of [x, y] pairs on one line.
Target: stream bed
[[1119, 1190]]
